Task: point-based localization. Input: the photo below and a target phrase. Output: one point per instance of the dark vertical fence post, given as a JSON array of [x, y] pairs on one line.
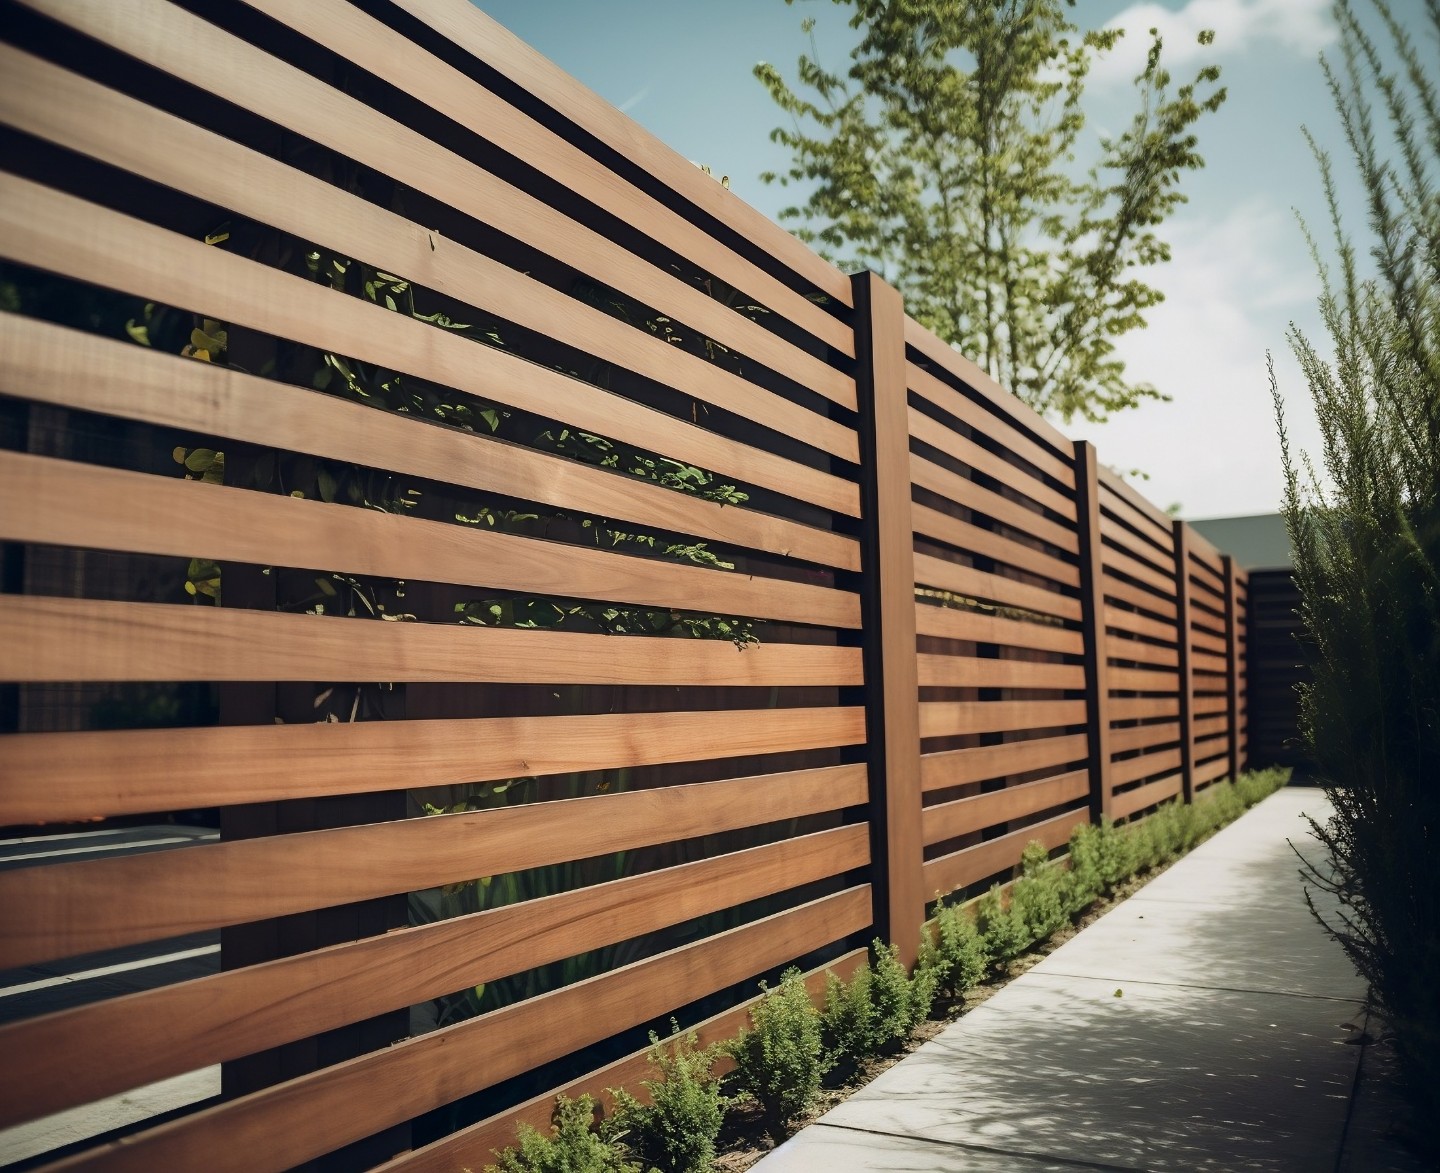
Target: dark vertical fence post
[[892, 691], [1232, 665], [1092, 624], [1187, 682]]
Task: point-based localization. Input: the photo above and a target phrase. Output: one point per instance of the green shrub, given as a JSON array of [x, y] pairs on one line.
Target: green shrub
[[780, 1062], [847, 1023], [677, 1130], [1113, 855], [572, 1146], [1003, 931], [956, 955], [1037, 900], [1086, 882], [899, 1002]]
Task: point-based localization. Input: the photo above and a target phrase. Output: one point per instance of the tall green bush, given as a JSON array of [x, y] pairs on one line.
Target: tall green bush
[[780, 1061], [573, 1146], [676, 1132], [1365, 532]]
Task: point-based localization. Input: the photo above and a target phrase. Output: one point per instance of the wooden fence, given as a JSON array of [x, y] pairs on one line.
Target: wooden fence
[[571, 599]]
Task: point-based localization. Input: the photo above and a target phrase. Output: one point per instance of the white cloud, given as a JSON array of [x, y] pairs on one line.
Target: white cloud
[[1231, 291], [634, 100], [1301, 27]]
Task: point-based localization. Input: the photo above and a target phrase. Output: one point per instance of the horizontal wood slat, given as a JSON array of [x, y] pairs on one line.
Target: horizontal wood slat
[[953, 623], [1138, 624], [969, 865], [75, 1056], [1119, 492], [1136, 651], [966, 580], [64, 909], [232, 69], [91, 507], [1010, 439], [1126, 804], [957, 767], [928, 475], [282, 1126], [1117, 562], [62, 233], [1143, 708], [1124, 528], [947, 820], [1212, 770], [1144, 736], [972, 539], [1131, 769], [959, 447], [1007, 408], [969, 672], [1141, 680], [86, 639], [60, 777], [1138, 597], [950, 718], [51, 364]]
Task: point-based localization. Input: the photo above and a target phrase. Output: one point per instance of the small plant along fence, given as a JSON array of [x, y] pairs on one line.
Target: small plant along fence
[[565, 598]]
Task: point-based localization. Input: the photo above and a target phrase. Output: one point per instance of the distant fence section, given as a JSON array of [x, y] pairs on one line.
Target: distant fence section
[[569, 598]]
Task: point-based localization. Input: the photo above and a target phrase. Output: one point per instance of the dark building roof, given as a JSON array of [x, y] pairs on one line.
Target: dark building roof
[[1256, 543]]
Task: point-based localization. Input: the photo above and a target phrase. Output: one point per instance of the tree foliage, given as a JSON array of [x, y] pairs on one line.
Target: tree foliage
[[1365, 528], [944, 158]]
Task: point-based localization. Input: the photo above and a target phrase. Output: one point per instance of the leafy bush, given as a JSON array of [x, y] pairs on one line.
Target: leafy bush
[[847, 1022], [677, 1130], [900, 1002], [1037, 898], [1087, 883], [956, 955], [1003, 931], [780, 1062], [572, 1146]]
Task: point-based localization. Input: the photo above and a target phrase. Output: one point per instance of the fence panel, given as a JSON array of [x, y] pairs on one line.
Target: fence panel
[[998, 620], [465, 524]]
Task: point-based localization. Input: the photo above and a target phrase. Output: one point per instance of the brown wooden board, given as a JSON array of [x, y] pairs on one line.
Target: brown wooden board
[[969, 865], [954, 623], [75, 1056], [957, 767], [948, 820], [950, 718], [71, 908]]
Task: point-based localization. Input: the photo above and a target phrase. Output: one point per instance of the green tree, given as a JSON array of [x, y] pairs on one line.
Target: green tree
[[1365, 528], [943, 159]]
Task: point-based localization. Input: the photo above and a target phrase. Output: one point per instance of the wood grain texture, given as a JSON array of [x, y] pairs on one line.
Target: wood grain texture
[[283, 1126], [243, 74], [969, 412], [967, 581], [49, 639], [1117, 561], [1139, 652], [1149, 794], [489, 42], [972, 539], [371, 45], [1132, 533], [960, 447], [936, 671], [62, 233], [1143, 708], [1144, 736], [1138, 624], [1136, 596], [958, 489], [107, 509], [958, 767], [1142, 680], [1212, 770], [947, 820], [969, 865], [51, 364], [996, 397], [1122, 492], [475, 1145], [1131, 769], [100, 1049], [953, 623], [950, 718], [888, 595]]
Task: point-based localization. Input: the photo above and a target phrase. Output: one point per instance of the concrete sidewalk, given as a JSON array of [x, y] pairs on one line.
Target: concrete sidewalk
[[1201, 1024]]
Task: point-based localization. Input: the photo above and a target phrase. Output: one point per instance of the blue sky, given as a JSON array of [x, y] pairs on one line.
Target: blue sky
[[1241, 271]]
